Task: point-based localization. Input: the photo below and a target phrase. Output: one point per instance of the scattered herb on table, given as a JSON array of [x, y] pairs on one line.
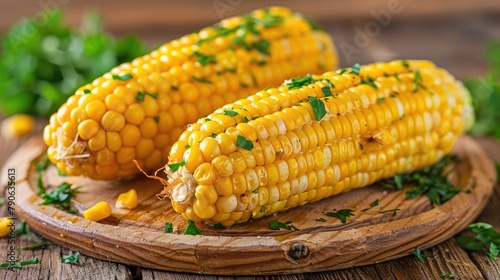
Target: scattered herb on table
[[431, 181], [486, 239], [447, 276], [420, 257], [22, 229], [35, 246], [61, 196], [74, 259], [277, 225], [18, 264], [393, 211], [321, 220], [191, 229], [341, 214]]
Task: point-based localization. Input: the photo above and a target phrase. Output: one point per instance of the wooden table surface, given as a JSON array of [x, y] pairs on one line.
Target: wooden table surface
[[453, 36]]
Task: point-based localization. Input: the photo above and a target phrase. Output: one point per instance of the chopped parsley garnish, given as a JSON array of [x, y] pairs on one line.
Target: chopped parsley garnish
[[327, 90], [175, 166], [191, 229], [213, 135], [230, 113], [277, 225], [204, 59], [380, 100], [299, 82], [430, 181], [61, 196], [74, 259], [342, 214], [342, 71], [487, 240], [320, 220], [122, 77], [417, 81], [34, 246], [187, 146], [174, 88], [242, 142], [262, 46], [393, 211], [86, 91], [318, 107], [22, 229], [405, 63], [420, 257], [397, 77], [447, 276], [243, 85], [266, 88], [168, 228], [18, 264], [142, 94], [374, 203], [356, 68], [246, 119], [370, 82], [157, 119], [201, 80], [394, 94], [43, 164]]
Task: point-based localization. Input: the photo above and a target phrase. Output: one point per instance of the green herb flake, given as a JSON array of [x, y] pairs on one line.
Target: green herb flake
[[342, 71], [318, 107], [356, 68], [230, 113], [266, 88], [327, 90], [157, 119], [447, 276], [395, 94], [380, 100], [219, 226], [405, 63], [374, 203], [417, 82], [299, 82], [43, 164], [486, 240], [213, 135], [34, 246], [168, 228], [191, 229], [370, 82], [342, 214], [174, 88], [242, 142], [320, 220], [187, 146], [204, 59], [277, 225], [200, 80], [73, 259], [61, 196], [86, 91], [122, 77], [140, 96], [397, 77], [420, 257], [22, 229], [246, 119], [256, 191], [175, 166], [262, 46], [18, 264], [393, 211]]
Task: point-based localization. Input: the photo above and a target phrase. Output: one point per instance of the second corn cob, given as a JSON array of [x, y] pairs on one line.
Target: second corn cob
[[138, 109], [315, 137]]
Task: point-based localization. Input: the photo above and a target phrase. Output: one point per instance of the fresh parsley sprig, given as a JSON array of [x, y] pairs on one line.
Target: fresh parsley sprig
[[486, 239], [341, 214]]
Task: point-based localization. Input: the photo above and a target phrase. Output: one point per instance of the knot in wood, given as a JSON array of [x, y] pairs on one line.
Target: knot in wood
[[298, 251]]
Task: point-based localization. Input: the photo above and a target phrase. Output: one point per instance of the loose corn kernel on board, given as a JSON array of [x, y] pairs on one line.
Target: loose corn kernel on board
[[137, 236]]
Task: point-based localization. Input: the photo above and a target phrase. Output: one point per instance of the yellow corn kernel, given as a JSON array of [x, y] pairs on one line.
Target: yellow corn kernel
[[99, 211], [5, 226], [17, 126], [127, 200]]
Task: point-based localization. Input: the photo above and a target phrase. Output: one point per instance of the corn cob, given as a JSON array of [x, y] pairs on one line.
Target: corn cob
[[139, 109], [315, 137]]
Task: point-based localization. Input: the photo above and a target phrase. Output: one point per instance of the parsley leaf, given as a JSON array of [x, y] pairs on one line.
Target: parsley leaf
[[262, 46], [242, 142], [277, 225], [374, 203], [356, 68], [122, 77], [18, 264], [142, 94], [175, 166], [74, 259], [34, 246], [168, 228], [487, 240], [318, 107], [447, 276], [191, 229], [321, 220], [417, 81], [380, 100], [61, 196], [201, 80], [342, 214], [405, 63], [204, 59], [86, 91], [230, 113], [370, 82], [299, 82], [393, 211], [420, 257]]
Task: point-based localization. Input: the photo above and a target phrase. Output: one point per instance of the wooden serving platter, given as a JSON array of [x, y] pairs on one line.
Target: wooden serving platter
[[136, 237]]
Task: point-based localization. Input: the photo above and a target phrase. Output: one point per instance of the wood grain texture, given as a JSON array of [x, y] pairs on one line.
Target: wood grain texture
[[136, 237]]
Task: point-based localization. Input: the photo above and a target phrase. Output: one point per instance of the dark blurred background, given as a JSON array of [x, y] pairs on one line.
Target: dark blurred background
[[451, 33]]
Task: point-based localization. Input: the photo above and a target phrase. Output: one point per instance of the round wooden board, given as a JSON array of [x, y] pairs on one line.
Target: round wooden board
[[136, 236]]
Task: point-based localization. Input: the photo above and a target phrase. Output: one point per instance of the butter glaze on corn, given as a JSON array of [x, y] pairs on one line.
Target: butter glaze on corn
[[390, 118], [110, 122]]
